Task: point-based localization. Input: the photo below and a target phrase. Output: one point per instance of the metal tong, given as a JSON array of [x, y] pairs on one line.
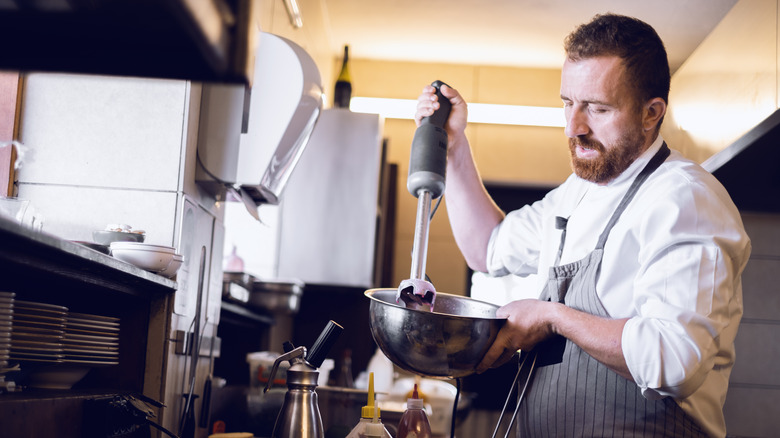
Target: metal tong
[[520, 395]]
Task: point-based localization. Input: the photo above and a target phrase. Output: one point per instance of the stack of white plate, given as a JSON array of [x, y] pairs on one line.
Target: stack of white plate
[[6, 317], [91, 339], [49, 333], [37, 332], [70, 343]]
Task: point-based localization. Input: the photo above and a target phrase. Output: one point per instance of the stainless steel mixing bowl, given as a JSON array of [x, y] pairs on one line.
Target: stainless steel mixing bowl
[[446, 343]]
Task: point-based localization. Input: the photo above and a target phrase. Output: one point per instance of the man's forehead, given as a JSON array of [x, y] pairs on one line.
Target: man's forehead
[[594, 79]]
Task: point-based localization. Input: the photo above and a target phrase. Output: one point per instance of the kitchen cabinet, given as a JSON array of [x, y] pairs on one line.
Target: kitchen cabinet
[[99, 150], [330, 211], [44, 268]]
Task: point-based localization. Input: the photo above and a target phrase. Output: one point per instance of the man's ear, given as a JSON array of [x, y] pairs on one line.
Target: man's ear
[[652, 113]]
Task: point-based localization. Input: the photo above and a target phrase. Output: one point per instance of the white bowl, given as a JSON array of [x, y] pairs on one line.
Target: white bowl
[[57, 376], [174, 266], [149, 259], [143, 246]]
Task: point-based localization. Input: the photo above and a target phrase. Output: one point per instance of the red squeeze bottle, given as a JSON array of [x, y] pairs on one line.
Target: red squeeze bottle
[[414, 422]]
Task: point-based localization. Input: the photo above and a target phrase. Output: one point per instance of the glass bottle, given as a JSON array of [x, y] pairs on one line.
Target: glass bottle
[[414, 422], [343, 92], [345, 379]]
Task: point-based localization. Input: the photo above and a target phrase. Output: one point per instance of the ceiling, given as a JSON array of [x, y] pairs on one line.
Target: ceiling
[[520, 33]]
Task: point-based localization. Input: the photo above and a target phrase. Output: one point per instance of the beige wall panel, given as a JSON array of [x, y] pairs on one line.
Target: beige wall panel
[[405, 80], [729, 83], [515, 86], [274, 19], [399, 134], [522, 154], [445, 266], [406, 214]]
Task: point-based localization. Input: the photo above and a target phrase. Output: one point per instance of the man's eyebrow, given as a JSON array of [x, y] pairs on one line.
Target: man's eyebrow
[[590, 101]]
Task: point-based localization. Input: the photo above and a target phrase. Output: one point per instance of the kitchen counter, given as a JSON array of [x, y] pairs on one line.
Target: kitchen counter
[[45, 252]]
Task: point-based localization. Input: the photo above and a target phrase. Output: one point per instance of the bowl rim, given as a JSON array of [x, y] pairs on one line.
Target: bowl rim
[[142, 247], [137, 233], [370, 294], [141, 251]]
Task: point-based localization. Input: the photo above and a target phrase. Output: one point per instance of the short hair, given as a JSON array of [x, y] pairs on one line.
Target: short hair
[[633, 41]]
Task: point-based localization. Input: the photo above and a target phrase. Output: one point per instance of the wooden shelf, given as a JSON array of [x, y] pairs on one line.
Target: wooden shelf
[[44, 268]]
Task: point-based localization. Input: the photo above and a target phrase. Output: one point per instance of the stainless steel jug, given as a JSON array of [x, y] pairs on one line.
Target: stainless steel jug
[[300, 415]]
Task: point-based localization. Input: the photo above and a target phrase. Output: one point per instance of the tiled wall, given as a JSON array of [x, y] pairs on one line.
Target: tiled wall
[[102, 150], [754, 391]]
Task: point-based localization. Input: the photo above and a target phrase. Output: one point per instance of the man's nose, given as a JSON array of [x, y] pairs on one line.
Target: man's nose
[[576, 124]]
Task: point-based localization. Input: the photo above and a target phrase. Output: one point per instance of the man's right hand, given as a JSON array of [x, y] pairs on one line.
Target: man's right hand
[[428, 102]]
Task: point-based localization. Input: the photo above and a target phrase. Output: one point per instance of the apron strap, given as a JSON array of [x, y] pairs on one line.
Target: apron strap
[[651, 166], [560, 224]]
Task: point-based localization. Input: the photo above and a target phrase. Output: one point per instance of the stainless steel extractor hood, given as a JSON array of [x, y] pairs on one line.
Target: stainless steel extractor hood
[[250, 139], [179, 39], [749, 168]]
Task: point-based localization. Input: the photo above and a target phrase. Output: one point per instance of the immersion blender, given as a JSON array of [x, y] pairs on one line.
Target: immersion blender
[[427, 170]]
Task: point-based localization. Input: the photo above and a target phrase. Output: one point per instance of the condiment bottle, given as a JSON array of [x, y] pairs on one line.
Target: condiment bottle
[[345, 379], [375, 429], [369, 425], [233, 263], [414, 422]]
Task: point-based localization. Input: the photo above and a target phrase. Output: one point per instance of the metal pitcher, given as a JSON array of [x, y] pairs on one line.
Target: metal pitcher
[[300, 415]]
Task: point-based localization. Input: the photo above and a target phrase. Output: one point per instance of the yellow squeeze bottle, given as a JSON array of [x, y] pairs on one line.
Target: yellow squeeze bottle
[[370, 426]]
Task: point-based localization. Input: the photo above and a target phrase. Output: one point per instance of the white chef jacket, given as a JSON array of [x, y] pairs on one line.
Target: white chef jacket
[[672, 265]]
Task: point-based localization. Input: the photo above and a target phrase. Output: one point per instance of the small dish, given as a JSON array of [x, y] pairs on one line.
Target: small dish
[[105, 237], [149, 259], [57, 376]]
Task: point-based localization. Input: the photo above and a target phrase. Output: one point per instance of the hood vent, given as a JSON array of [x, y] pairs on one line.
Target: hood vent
[[202, 40], [750, 167], [251, 139]]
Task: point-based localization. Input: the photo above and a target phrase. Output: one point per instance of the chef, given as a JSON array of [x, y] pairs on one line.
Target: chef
[[640, 251]]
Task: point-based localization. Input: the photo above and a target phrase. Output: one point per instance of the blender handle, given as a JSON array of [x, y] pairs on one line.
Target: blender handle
[[290, 355]]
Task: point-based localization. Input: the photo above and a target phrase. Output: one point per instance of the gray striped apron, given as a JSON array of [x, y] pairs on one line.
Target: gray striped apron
[[578, 396]]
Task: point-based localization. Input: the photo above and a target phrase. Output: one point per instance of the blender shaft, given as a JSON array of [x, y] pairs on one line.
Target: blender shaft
[[421, 228]]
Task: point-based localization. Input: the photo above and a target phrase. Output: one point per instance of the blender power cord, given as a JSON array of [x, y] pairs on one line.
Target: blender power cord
[[435, 207], [458, 383]]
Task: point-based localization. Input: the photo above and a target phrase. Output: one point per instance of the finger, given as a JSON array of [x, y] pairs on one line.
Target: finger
[[451, 94], [504, 358], [494, 353], [425, 108], [490, 358]]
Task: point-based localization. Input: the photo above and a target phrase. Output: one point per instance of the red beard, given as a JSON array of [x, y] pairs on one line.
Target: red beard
[[610, 162]]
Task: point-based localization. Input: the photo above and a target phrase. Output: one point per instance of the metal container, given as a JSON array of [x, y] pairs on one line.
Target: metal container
[[446, 343], [280, 296], [236, 286]]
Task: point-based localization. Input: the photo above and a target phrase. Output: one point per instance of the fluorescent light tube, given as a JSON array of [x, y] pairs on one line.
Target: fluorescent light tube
[[478, 112]]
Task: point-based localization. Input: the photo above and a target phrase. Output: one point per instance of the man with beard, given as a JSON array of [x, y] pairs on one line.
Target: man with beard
[[640, 252]]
